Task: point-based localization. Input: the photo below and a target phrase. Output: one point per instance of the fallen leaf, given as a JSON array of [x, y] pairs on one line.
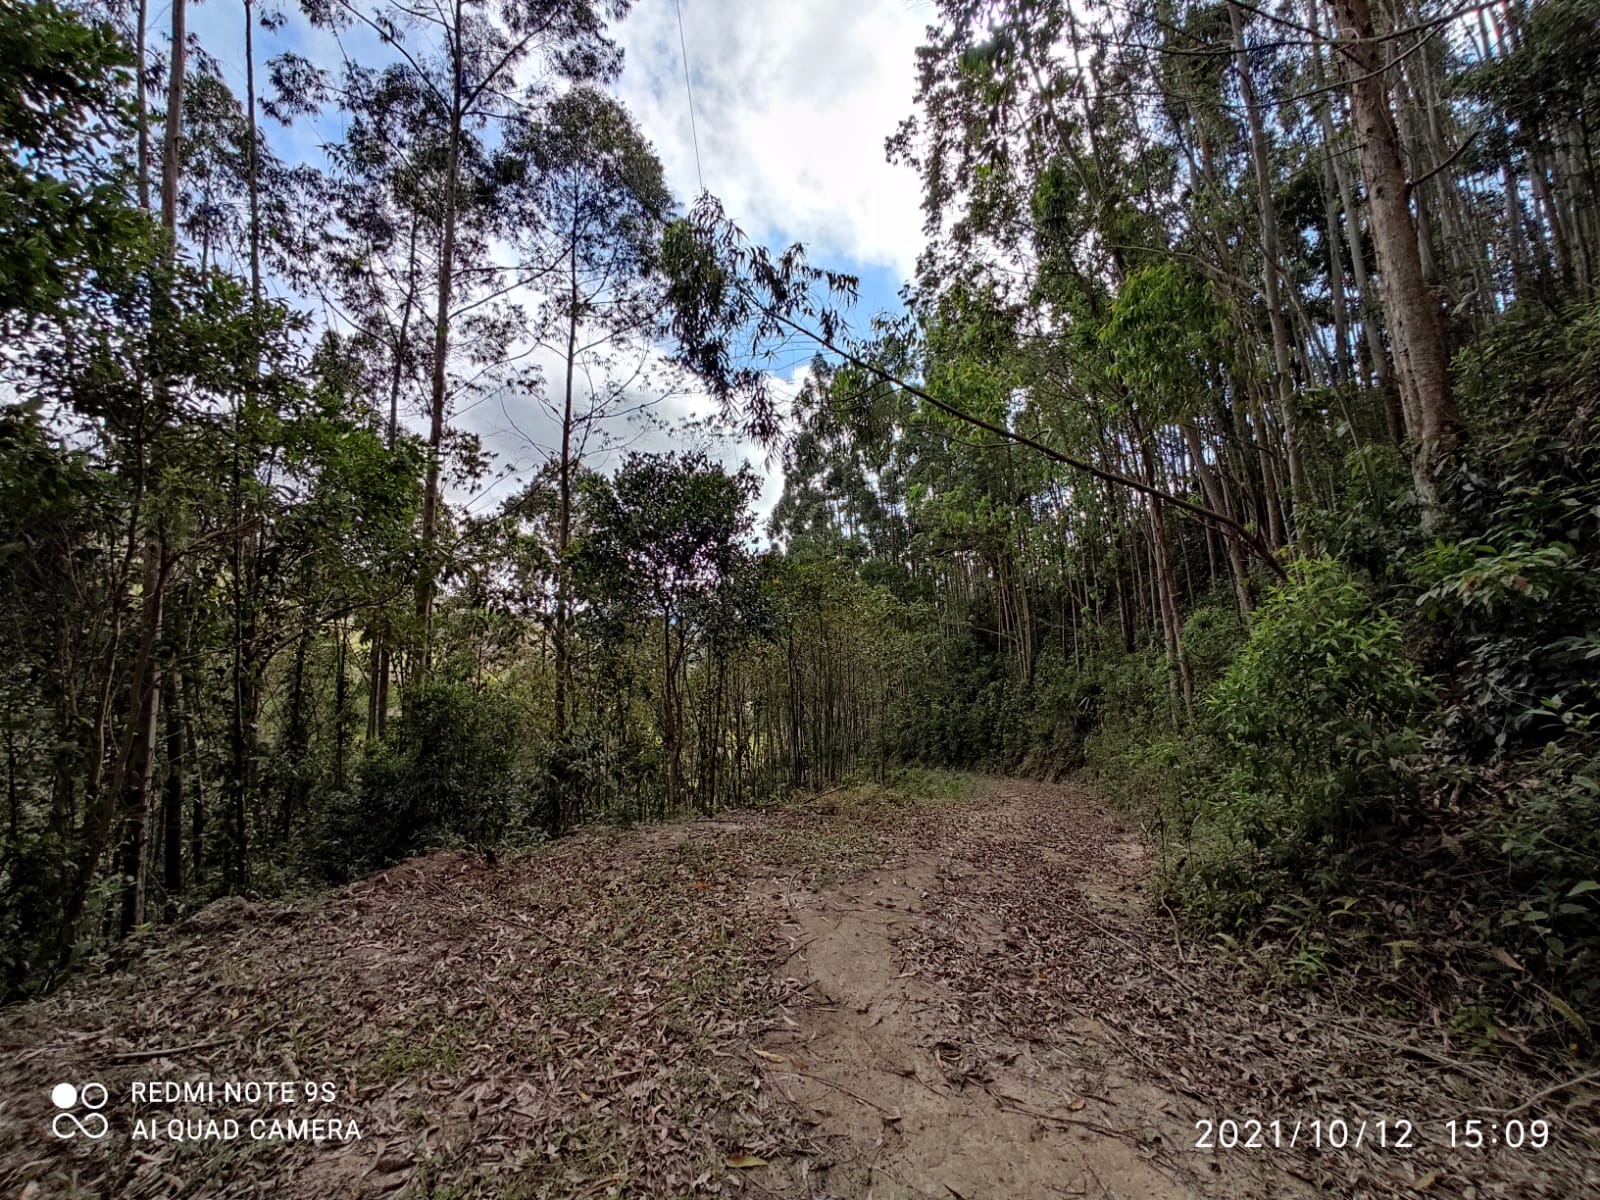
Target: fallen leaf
[[745, 1160], [1507, 959], [1427, 1181]]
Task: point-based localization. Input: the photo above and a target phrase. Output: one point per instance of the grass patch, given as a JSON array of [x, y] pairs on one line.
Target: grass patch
[[412, 1052], [926, 784]]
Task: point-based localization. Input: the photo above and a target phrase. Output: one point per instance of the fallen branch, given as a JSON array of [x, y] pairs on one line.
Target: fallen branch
[[166, 1051], [1550, 1091]]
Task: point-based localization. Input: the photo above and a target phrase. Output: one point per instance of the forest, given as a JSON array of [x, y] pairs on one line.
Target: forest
[[1234, 450]]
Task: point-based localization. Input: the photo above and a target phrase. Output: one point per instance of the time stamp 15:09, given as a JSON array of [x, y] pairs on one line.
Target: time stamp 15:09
[[1349, 1133]]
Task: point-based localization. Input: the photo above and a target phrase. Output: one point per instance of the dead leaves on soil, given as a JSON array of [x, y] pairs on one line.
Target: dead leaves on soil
[[561, 1025]]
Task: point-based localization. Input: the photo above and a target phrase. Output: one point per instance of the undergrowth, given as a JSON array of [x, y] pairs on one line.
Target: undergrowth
[[1388, 777], [1391, 776]]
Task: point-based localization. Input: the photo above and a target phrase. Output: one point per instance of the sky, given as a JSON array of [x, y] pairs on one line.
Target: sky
[[792, 102]]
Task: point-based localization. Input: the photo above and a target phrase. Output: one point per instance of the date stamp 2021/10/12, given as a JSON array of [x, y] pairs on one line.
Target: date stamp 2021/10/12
[[1357, 1133]]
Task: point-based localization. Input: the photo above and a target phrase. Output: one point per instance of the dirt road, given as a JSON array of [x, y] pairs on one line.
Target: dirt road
[[938, 1041], [864, 995]]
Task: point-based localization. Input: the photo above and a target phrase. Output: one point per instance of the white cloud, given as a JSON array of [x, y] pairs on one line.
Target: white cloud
[[524, 433], [792, 102]]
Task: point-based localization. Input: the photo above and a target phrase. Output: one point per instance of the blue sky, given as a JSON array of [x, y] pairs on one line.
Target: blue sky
[[792, 103]]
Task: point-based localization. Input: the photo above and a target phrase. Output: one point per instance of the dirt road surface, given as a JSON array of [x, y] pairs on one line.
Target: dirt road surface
[[967, 994]]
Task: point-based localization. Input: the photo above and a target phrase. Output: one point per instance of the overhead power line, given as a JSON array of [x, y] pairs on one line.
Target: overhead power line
[[688, 89]]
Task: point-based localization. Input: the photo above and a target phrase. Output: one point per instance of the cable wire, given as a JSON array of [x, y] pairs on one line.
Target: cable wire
[[689, 91]]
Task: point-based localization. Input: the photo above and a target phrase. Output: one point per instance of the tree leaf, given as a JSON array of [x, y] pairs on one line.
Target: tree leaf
[[1506, 958]]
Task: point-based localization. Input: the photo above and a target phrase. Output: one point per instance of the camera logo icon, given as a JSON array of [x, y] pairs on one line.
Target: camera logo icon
[[67, 1123]]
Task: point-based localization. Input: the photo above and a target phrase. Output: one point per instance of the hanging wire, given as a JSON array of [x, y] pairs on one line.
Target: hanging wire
[[689, 91]]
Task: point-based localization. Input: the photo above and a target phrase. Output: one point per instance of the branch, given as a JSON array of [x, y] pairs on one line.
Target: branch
[[1413, 184], [1237, 529]]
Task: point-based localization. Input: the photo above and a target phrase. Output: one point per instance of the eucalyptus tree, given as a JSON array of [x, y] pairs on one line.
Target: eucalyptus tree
[[1416, 329], [71, 252], [666, 540], [458, 73], [63, 110], [592, 204]]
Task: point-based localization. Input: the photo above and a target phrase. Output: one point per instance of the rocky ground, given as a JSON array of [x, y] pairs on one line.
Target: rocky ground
[[870, 994]]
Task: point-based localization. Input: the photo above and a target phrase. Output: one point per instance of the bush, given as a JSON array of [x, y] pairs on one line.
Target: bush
[[1301, 736], [1322, 691], [1212, 637], [586, 777], [459, 770], [1547, 828]]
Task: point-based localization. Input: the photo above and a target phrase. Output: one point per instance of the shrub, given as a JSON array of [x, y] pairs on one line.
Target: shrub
[[1546, 830], [1212, 637], [1519, 619], [458, 771], [1322, 691], [1300, 736]]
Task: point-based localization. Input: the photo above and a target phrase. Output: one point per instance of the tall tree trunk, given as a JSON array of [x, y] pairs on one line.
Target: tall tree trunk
[[428, 572], [172, 798], [197, 806], [296, 742], [1415, 329], [563, 653], [170, 143], [341, 702], [139, 745], [141, 101], [669, 709], [131, 783], [1266, 209], [252, 166], [1377, 356], [1212, 488]]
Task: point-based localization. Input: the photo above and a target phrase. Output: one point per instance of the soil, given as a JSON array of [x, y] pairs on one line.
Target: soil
[[859, 996]]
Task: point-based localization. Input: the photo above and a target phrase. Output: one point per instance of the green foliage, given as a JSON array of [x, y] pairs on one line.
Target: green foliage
[[459, 770], [1373, 527], [1212, 636], [63, 100], [1547, 830], [198, 485], [587, 776], [665, 534], [1548, 77], [1168, 338], [1302, 751], [1322, 688], [1522, 615], [953, 714]]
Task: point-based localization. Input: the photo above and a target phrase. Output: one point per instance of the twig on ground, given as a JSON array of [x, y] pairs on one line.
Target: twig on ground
[[839, 1087], [1127, 945], [126, 1056], [1548, 1092], [1177, 941], [1421, 1051]]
